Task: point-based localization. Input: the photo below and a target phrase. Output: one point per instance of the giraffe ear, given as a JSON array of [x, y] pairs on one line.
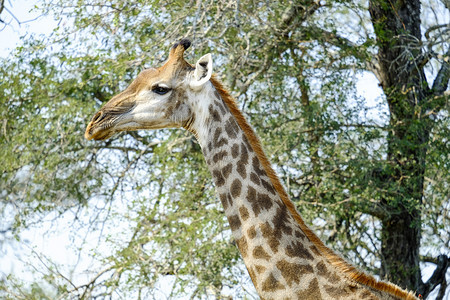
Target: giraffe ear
[[202, 72]]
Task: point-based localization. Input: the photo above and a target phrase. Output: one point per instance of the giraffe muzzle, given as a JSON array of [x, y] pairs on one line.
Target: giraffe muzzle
[[99, 128]]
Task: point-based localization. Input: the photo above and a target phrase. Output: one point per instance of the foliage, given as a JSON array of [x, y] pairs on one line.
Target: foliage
[[147, 197]]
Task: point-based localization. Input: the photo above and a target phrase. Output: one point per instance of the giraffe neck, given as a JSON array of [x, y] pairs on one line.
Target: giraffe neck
[[282, 256]]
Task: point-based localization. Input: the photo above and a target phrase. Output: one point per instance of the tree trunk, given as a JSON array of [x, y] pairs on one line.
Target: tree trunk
[[397, 27]]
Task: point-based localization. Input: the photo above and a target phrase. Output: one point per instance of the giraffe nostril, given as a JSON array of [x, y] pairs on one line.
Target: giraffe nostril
[[97, 117]]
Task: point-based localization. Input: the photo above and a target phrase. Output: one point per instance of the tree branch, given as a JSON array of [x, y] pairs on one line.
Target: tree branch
[[446, 3], [442, 289], [292, 16], [438, 277], [2, 6], [371, 64], [440, 83], [6, 230]]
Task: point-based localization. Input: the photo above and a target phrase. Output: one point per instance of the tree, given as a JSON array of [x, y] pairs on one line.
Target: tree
[[371, 178], [412, 106]]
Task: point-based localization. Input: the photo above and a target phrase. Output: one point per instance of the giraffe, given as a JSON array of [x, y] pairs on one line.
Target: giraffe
[[283, 256]]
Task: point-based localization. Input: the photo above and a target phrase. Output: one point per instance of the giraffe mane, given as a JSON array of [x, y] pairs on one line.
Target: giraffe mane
[[352, 272]]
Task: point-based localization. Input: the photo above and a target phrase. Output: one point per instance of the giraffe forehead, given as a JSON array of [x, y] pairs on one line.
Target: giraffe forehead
[[145, 78], [165, 74]]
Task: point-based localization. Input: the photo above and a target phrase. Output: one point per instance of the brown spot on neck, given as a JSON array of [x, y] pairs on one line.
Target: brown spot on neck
[[260, 269], [312, 292], [251, 232], [273, 240], [297, 249], [293, 272], [235, 222], [259, 252], [243, 211], [271, 284], [235, 188]]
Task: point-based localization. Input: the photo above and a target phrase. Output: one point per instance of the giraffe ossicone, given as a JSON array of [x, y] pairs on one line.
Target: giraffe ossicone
[[284, 258]]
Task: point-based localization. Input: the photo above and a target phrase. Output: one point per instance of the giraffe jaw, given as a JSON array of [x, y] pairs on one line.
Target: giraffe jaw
[[98, 135], [109, 126]]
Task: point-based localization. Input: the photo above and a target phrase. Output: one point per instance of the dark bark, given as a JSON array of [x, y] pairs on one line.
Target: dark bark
[[440, 83], [397, 27]]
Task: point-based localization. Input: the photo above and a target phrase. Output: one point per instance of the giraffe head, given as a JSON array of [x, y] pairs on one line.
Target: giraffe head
[[157, 98]]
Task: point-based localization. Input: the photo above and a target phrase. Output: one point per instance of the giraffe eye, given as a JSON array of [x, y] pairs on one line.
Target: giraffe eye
[[160, 90]]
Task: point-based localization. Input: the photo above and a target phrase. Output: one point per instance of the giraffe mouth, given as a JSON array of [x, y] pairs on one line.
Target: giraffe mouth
[[106, 121], [105, 125]]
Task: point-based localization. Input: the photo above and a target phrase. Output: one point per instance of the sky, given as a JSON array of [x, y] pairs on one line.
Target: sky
[[30, 22], [24, 21]]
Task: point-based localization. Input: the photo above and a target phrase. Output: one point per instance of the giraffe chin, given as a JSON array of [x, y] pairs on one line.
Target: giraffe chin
[[98, 134]]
